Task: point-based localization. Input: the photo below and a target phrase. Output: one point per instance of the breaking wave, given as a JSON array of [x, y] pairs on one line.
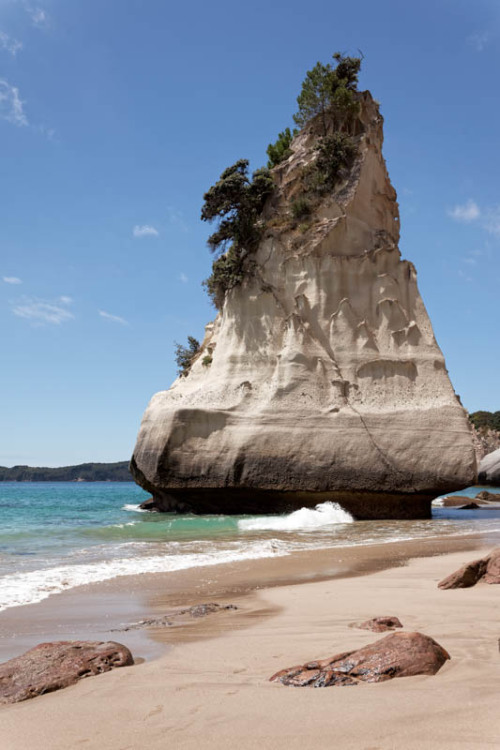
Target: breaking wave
[[305, 519]]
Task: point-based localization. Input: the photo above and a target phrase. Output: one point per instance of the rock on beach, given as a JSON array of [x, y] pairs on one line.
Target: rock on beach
[[52, 666], [396, 655]]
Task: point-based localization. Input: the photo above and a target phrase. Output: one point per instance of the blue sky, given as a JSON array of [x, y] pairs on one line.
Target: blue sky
[[116, 116]]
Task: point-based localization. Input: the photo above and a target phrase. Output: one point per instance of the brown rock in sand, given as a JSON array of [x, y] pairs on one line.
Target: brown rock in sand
[[379, 624], [396, 655], [52, 666], [487, 569]]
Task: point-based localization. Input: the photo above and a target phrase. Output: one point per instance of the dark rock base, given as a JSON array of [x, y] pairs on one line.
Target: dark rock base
[[232, 501]]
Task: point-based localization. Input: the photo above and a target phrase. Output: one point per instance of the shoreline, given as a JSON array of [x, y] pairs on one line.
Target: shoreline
[[216, 693], [101, 610]]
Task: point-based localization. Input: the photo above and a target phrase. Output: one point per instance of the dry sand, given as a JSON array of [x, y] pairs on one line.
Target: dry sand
[[213, 691]]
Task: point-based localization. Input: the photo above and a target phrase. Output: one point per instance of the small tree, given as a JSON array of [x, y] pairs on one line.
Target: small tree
[[184, 355], [236, 202], [325, 86], [280, 150]]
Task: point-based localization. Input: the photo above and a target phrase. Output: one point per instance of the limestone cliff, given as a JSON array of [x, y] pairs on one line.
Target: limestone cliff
[[326, 381]]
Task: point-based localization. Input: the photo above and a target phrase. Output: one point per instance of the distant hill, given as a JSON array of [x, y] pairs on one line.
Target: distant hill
[[117, 472]]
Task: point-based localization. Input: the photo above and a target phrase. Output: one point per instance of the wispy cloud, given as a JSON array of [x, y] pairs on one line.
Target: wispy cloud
[[176, 218], [41, 312], [145, 231], [11, 280], [492, 221], [467, 212], [479, 40], [464, 276], [39, 16], [113, 318], [183, 278], [10, 45], [11, 106]]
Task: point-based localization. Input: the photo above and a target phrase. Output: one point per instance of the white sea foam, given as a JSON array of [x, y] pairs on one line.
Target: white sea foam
[[305, 519], [27, 588], [135, 508]]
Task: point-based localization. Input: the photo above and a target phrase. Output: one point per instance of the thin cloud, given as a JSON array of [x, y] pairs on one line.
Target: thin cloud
[[41, 312], [479, 40], [11, 106], [10, 45], [11, 280], [492, 221], [183, 278], [145, 231], [465, 213], [176, 218], [39, 17], [113, 318]]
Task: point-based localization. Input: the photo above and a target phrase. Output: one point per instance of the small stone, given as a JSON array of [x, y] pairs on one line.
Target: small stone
[[380, 624]]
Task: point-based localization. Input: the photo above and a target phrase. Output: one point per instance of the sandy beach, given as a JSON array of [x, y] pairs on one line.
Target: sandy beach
[[210, 686]]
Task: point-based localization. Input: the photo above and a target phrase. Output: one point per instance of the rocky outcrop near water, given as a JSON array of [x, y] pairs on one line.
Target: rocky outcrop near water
[[52, 666], [486, 569], [396, 655], [320, 378], [489, 469]]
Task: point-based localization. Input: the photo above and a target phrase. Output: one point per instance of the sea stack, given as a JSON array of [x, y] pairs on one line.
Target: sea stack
[[320, 378]]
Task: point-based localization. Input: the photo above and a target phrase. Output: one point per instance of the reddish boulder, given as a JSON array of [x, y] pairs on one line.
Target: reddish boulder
[[396, 655], [380, 624], [52, 666], [487, 569]]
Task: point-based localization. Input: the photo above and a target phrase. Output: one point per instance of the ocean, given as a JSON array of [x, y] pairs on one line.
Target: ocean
[[55, 536]]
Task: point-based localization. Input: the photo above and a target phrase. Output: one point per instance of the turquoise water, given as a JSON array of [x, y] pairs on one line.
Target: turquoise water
[[54, 536]]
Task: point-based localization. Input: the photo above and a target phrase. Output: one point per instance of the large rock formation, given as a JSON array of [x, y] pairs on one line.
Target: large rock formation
[[326, 381], [489, 469]]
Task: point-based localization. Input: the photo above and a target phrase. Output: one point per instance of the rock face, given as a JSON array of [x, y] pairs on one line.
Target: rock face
[[326, 381], [486, 569], [489, 469], [396, 655], [52, 666]]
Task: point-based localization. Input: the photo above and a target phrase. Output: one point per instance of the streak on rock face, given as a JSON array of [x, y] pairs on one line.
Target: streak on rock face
[[326, 381], [396, 655], [52, 666], [486, 569]]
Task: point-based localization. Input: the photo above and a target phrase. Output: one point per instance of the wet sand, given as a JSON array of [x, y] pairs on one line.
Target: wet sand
[[205, 683]]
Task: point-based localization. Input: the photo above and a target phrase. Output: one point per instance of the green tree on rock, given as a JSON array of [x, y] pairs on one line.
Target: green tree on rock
[[184, 355], [236, 202], [280, 150], [325, 86]]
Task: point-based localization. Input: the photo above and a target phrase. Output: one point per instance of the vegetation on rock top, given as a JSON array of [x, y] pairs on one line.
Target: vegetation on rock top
[[486, 420], [236, 201]]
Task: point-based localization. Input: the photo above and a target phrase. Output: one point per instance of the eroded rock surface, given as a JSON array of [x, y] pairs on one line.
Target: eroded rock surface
[[396, 655], [52, 666], [380, 624], [325, 380], [486, 569], [489, 469]]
